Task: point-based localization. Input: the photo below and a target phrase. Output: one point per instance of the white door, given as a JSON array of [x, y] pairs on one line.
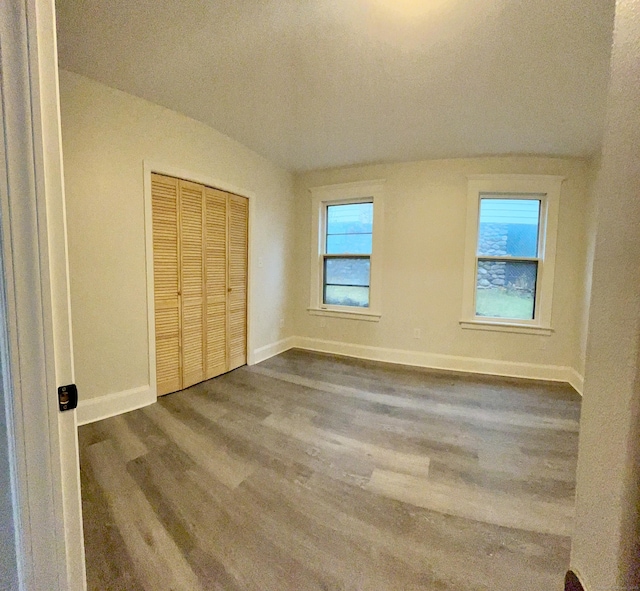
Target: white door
[[35, 323]]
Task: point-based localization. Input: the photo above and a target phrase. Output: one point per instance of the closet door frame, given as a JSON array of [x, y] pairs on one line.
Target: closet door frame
[[168, 170]]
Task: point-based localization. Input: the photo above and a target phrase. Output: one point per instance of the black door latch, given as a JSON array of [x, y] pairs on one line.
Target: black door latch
[[68, 397]]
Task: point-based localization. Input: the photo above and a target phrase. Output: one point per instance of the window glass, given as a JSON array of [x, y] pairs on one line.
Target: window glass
[[508, 230], [349, 243], [340, 295], [347, 271], [346, 281], [506, 289], [349, 228], [509, 227]]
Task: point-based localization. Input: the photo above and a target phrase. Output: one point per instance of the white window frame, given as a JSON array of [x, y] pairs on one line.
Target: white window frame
[[321, 198], [544, 187]]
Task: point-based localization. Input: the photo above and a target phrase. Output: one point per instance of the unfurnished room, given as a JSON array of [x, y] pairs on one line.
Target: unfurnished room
[[333, 295]]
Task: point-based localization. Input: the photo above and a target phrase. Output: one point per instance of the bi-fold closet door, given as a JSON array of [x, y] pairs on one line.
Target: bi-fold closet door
[[200, 281]]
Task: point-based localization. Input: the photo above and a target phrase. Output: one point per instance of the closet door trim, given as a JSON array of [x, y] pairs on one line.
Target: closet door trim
[[165, 169]]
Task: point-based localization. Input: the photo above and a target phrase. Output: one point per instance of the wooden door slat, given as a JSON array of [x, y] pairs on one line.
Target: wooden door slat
[[192, 282], [216, 282], [238, 214], [166, 254]]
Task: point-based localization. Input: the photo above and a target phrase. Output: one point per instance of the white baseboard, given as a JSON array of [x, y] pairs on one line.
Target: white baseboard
[[96, 409], [268, 351], [576, 380], [103, 407], [555, 373]]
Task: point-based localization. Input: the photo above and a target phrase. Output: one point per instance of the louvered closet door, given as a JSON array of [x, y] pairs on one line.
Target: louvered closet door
[[238, 213], [216, 282], [192, 282], [164, 199]]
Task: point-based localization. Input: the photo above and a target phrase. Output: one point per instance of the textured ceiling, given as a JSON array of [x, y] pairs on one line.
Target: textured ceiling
[[319, 83]]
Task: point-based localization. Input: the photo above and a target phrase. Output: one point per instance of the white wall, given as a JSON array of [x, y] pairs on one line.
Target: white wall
[[606, 544], [107, 135], [425, 220]]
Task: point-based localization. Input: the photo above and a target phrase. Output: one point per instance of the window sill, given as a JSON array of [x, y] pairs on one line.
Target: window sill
[[348, 314], [506, 327]]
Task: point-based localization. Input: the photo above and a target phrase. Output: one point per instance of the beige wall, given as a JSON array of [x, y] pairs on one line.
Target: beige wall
[[425, 217], [588, 245], [606, 544], [8, 558], [107, 135]]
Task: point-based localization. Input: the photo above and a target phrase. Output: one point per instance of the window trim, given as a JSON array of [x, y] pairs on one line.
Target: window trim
[[545, 187], [343, 194]]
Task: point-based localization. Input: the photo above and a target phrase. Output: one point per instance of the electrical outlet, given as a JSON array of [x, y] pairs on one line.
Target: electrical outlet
[[323, 323], [260, 262], [281, 322], [416, 333]]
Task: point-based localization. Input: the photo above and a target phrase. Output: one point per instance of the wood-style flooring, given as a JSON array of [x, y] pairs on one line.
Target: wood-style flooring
[[314, 472]]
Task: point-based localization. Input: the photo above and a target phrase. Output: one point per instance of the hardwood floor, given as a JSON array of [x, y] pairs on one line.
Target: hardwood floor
[[312, 472]]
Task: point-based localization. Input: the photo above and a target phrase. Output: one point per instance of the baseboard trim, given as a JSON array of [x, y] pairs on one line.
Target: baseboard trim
[[554, 373], [103, 407], [576, 380], [268, 351]]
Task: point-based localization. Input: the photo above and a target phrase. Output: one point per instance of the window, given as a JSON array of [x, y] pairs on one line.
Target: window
[[510, 254], [507, 256], [347, 222], [347, 257]]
